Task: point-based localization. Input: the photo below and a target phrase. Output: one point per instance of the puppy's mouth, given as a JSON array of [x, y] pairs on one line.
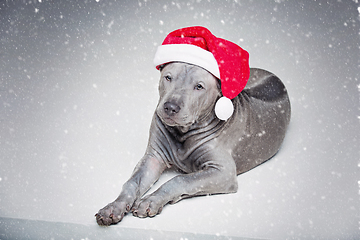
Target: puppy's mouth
[[169, 121], [175, 122]]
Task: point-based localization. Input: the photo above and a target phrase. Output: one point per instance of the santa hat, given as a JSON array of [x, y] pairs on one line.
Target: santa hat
[[224, 59]]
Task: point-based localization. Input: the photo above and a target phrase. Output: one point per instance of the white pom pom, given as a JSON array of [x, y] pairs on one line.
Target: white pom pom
[[224, 108]]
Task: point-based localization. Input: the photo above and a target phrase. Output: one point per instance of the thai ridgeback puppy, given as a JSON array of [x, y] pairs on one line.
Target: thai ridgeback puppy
[[185, 134]]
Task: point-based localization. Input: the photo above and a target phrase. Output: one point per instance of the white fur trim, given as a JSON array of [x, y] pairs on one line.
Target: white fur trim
[[224, 108], [187, 53]]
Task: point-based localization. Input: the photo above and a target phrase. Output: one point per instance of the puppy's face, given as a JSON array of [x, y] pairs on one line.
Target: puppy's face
[[187, 94]]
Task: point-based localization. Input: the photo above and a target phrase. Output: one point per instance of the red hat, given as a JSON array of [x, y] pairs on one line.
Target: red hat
[[224, 59]]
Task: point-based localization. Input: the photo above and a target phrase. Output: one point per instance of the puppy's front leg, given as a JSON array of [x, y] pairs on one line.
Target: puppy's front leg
[[212, 180], [145, 174]]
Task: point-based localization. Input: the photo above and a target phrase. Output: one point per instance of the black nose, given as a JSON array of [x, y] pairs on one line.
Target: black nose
[[171, 109]]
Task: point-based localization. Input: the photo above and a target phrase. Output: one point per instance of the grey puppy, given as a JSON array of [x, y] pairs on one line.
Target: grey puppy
[[186, 134]]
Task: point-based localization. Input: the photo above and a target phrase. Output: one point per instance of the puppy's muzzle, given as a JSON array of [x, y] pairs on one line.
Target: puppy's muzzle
[[171, 109]]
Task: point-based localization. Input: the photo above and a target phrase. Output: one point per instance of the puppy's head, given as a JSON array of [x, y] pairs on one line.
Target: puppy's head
[[187, 94]]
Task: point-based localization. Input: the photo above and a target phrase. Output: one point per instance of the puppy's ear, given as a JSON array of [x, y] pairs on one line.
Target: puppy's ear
[[218, 81], [161, 67]]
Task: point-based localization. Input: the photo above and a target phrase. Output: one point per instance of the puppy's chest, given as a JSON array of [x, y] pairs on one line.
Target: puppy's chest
[[185, 151], [190, 156]]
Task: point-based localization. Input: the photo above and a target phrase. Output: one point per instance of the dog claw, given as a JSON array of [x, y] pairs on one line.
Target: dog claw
[[128, 208], [135, 212]]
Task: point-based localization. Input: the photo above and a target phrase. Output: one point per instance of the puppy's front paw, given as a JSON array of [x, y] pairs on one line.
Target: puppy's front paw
[[149, 206], [112, 213]]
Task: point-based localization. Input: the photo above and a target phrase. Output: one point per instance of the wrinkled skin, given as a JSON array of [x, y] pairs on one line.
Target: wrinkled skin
[[185, 134]]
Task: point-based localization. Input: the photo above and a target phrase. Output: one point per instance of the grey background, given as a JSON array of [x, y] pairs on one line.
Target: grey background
[[78, 90]]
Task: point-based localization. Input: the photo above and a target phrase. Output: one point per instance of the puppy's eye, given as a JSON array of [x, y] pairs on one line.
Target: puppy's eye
[[199, 86], [168, 78]]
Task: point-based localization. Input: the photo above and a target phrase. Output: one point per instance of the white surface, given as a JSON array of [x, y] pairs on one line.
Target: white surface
[[78, 90]]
